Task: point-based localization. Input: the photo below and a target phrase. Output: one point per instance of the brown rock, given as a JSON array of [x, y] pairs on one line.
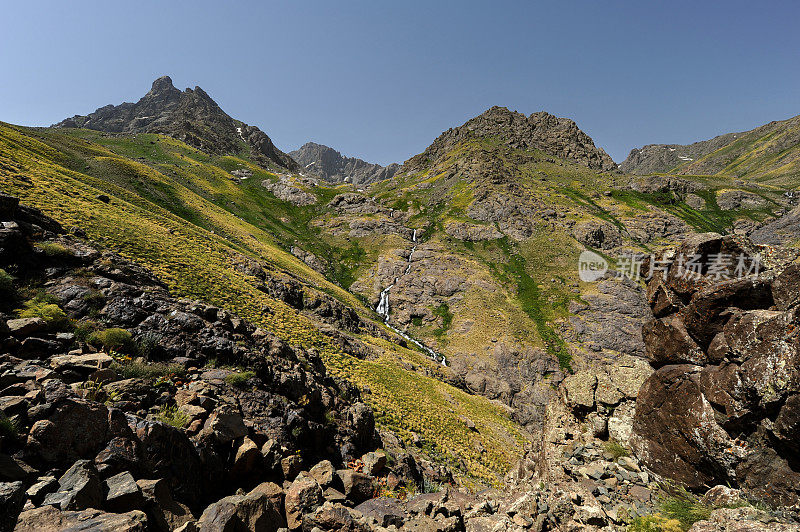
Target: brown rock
[[302, 497]]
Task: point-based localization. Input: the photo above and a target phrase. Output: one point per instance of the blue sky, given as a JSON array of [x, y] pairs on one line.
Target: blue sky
[[381, 80]]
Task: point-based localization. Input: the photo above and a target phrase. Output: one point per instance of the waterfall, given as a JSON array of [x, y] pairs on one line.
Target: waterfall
[[383, 310]]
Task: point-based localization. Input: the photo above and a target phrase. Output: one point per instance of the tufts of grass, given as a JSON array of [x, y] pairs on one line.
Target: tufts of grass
[[54, 250], [9, 429], [443, 311], [616, 449], [240, 378], [148, 345], [143, 370], [6, 284], [113, 339], [44, 306], [172, 416]]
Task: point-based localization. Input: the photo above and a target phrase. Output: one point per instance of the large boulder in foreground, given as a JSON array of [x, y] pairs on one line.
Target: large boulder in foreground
[[723, 406]]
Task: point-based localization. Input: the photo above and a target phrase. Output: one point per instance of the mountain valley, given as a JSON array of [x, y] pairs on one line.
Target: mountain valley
[[253, 339]]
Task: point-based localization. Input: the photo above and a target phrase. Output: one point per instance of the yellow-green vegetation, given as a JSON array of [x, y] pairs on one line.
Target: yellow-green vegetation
[[111, 339], [53, 249], [149, 371], [179, 213], [768, 154], [45, 307], [172, 416], [678, 511], [239, 378], [616, 449]]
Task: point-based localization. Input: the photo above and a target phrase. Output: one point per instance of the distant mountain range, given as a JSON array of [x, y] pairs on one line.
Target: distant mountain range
[[334, 167], [766, 153]]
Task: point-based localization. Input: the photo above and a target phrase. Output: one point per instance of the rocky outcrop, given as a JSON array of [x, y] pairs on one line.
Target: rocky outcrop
[[191, 116], [720, 407], [333, 167], [558, 137]]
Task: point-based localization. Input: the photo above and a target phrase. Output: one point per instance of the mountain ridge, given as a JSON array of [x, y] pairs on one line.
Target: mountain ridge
[[191, 116], [334, 167], [766, 153]]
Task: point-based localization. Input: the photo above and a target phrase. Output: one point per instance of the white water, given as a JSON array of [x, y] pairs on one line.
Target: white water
[[383, 310]]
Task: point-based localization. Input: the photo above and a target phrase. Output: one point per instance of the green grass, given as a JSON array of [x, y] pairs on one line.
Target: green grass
[[43, 306], [239, 378], [443, 312], [54, 250], [615, 449], [7, 290], [147, 371], [9, 429], [173, 417], [178, 213], [112, 339], [530, 298]]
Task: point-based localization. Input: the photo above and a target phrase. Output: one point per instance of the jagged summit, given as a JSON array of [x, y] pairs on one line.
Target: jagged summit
[[332, 166], [553, 135], [191, 116]]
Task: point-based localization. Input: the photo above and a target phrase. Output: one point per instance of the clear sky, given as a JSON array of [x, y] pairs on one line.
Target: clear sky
[[380, 80]]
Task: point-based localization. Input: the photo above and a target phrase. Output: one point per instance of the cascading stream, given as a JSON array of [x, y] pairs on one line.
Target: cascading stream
[[383, 310]]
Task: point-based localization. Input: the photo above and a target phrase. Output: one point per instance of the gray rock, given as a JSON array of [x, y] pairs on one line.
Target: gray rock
[[122, 494], [79, 488]]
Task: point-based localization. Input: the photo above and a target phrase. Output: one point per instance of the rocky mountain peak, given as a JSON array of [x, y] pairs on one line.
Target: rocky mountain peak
[[191, 116], [163, 85], [332, 166], [556, 136]]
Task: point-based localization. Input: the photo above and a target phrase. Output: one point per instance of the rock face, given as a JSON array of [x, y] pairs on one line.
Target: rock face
[[559, 137], [722, 405], [332, 166], [191, 116]]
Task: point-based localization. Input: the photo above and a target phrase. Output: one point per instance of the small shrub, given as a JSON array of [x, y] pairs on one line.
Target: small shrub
[[429, 486], [8, 428], [172, 416], [44, 306], [655, 523], [95, 299], [616, 449], [54, 250], [142, 370], [111, 339], [148, 345], [96, 391], [685, 508], [84, 328], [240, 378], [6, 283]]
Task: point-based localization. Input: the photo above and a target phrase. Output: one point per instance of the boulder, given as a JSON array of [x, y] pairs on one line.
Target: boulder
[[79, 488], [50, 519], [256, 512], [324, 473], [26, 326], [225, 426], [695, 450], [374, 462], [668, 342], [12, 498], [122, 494], [386, 511], [302, 497], [358, 487]]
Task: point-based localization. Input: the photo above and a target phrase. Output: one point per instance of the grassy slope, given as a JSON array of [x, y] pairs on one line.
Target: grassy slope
[[167, 215], [768, 155]]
